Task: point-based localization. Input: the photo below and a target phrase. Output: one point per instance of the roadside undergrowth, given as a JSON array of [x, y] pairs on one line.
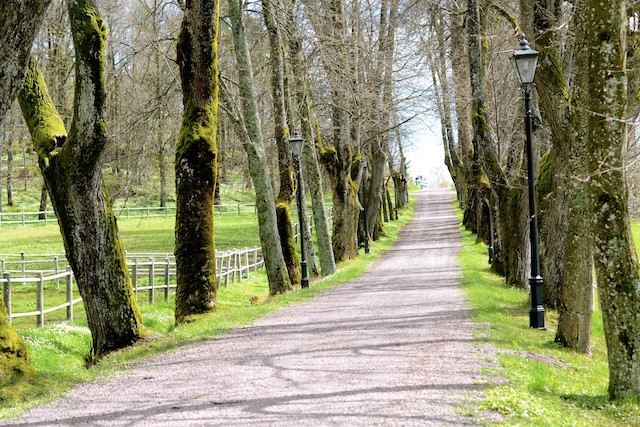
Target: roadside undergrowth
[[537, 382], [58, 349]]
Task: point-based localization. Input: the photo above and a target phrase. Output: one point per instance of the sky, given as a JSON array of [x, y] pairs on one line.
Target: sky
[[426, 153]]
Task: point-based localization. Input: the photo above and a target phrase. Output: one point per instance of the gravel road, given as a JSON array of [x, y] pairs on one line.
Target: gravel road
[[393, 347]]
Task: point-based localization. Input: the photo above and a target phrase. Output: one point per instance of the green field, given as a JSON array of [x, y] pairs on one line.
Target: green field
[[155, 234]]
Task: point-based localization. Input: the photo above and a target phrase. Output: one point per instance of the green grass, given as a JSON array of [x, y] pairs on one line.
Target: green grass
[[58, 350], [543, 384], [155, 234]]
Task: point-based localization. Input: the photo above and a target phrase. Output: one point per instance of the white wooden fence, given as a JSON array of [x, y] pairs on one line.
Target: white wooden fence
[[151, 272], [44, 217]]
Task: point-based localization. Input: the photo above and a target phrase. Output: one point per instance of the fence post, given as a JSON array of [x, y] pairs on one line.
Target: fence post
[[134, 277], [23, 266], [166, 280], [40, 300], [151, 284], [238, 208], [246, 261], [255, 258], [3, 265], [226, 277], [69, 284], [6, 291], [55, 267]]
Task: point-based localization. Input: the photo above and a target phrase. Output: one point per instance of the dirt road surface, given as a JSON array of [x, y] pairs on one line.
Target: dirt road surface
[[393, 347]]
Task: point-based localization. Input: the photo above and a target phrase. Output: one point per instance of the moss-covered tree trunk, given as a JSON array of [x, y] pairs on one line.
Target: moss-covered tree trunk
[[604, 104], [340, 155], [196, 160], [486, 170], [310, 160], [379, 150], [565, 240], [272, 13], [19, 23], [276, 267], [15, 359], [461, 92], [72, 168]]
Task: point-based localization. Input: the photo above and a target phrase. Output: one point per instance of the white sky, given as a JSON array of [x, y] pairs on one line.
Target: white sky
[[426, 154]]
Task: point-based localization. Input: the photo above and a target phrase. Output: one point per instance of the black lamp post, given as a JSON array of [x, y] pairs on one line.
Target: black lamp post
[[297, 143], [365, 170], [524, 60]]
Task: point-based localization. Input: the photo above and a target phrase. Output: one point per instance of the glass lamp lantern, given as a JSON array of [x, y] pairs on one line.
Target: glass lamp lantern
[[525, 60], [297, 142]]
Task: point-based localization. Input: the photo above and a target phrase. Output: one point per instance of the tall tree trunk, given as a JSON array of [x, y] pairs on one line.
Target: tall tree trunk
[[285, 196], [19, 24], [603, 30], [310, 160], [342, 154], [565, 241], [277, 272], [491, 181], [72, 168], [10, 201], [44, 195], [196, 160]]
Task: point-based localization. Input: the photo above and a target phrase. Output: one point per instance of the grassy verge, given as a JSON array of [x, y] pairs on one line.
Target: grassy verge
[[540, 383], [58, 350]]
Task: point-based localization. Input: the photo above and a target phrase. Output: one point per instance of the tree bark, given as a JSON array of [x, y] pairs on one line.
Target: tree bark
[[44, 196], [341, 155], [603, 30], [565, 241], [196, 160], [310, 160], [10, 172], [72, 168], [282, 134], [276, 267], [19, 24]]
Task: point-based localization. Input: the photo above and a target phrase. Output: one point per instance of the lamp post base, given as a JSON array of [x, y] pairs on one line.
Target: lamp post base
[[304, 281], [536, 312]]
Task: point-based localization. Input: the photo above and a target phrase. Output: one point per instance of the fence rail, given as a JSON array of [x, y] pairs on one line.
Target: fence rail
[[44, 217], [150, 272]]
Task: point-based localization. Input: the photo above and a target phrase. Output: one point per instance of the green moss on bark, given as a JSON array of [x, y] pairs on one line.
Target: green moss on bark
[[196, 161], [48, 131], [287, 241], [15, 359]]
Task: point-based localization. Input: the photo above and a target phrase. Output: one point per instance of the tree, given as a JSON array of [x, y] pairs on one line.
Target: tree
[[562, 186], [248, 125], [19, 23], [309, 125], [196, 160], [341, 158], [271, 15], [601, 36], [72, 168]]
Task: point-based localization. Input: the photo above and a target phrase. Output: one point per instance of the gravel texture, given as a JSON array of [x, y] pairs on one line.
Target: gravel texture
[[393, 347]]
